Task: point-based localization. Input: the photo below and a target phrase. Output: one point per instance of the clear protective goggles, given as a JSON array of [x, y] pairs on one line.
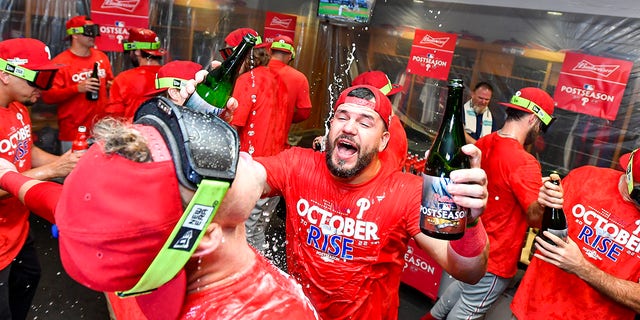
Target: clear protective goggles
[[634, 191], [41, 79], [89, 30], [546, 119], [205, 151]]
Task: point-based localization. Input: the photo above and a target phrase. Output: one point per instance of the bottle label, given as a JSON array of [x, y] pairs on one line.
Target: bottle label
[[562, 234], [195, 102], [438, 212]]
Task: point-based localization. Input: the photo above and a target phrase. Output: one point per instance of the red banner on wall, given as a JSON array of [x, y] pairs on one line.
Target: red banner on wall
[[592, 85], [431, 54], [421, 271], [279, 24], [114, 17]]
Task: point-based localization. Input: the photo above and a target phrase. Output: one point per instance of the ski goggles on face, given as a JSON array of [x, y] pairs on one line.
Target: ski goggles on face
[[546, 119], [634, 191], [88, 30], [41, 79]]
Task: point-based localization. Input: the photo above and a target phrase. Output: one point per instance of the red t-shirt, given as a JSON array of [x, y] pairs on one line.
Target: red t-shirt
[[261, 123], [605, 228], [129, 90], [297, 90], [263, 292], [395, 154], [515, 178], [345, 243], [74, 109], [15, 146]]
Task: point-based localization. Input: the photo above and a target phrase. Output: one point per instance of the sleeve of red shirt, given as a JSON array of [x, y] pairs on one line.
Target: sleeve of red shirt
[[303, 102], [42, 199], [115, 107], [242, 93], [59, 91]]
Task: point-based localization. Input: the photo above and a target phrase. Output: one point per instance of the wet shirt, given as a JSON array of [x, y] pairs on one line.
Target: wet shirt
[[606, 229], [15, 146], [74, 109], [129, 90], [297, 89], [514, 180], [345, 243], [262, 112], [263, 292], [395, 154]]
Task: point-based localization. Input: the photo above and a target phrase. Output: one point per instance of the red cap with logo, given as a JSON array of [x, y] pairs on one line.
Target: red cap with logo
[[379, 80], [531, 100], [145, 40], [174, 74], [112, 228], [78, 21], [28, 53], [234, 38], [382, 105], [284, 44]]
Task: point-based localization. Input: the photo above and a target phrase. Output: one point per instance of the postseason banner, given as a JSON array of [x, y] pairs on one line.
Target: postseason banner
[[115, 17], [592, 85], [277, 24], [431, 54]]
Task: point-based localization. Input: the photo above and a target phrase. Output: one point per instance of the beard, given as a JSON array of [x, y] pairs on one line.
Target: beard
[[134, 59], [337, 169], [531, 137]]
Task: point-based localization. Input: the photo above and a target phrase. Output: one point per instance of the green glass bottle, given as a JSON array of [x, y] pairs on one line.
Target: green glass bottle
[[212, 94], [553, 219], [440, 216]]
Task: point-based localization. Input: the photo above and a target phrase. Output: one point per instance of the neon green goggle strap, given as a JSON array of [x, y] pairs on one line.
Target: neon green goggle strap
[[533, 107], [75, 30], [284, 46], [136, 45], [184, 239], [18, 71], [177, 83], [387, 88], [629, 172]]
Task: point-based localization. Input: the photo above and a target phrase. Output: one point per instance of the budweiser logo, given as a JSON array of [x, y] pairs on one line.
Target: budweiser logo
[[281, 22], [126, 5], [604, 70], [440, 42]]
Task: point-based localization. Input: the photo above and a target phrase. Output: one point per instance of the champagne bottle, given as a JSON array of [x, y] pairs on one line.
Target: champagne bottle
[[553, 219], [80, 143], [93, 95], [440, 216], [212, 94]]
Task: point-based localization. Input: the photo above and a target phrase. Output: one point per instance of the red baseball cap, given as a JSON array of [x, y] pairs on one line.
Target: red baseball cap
[[382, 105], [284, 44], [147, 39], [110, 230], [78, 21], [379, 80], [624, 162], [174, 74], [234, 38], [533, 100], [28, 53]]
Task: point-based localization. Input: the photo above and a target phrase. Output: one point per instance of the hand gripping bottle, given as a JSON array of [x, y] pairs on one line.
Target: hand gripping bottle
[[212, 94], [553, 219], [440, 217], [93, 95]]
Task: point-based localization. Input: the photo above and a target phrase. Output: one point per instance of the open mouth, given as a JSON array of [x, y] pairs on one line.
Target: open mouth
[[346, 148]]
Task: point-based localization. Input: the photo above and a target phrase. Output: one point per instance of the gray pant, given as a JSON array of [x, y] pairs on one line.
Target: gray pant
[[257, 222], [462, 301]]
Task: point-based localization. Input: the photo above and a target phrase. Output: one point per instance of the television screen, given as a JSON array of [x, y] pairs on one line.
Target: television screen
[[346, 11]]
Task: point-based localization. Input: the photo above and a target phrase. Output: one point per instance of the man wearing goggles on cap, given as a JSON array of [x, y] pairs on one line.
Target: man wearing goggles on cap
[[595, 273], [72, 81], [25, 71]]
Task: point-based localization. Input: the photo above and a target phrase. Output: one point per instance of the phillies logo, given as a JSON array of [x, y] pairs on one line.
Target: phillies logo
[[439, 42], [126, 5], [604, 70], [281, 22]]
